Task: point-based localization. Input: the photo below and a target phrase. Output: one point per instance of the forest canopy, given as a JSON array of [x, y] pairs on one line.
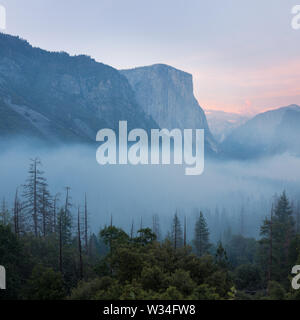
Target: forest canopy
[[50, 253]]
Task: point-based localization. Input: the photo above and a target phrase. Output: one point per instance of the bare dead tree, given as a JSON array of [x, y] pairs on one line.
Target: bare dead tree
[[54, 206], [85, 224], [155, 226], [67, 202], [45, 211], [33, 193], [79, 245], [141, 226], [60, 241], [184, 234], [16, 214], [67, 219], [132, 230]]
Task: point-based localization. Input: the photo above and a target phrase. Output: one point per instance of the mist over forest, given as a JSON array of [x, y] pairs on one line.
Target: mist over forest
[[235, 196], [73, 229]]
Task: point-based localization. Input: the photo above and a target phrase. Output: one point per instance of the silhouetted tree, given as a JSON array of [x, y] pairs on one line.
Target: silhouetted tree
[[156, 226], [277, 233], [79, 245], [17, 214], [85, 223], [176, 235], [201, 237], [4, 213]]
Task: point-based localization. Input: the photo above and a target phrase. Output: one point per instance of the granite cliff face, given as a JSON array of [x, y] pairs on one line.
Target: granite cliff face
[[61, 98], [57, 97], [166, 94]]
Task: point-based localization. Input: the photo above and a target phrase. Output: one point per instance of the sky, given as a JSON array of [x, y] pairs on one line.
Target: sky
[[244, 55]]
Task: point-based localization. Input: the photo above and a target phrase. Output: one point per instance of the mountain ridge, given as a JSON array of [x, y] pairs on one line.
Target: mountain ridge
[[62, 98], [271, 132], [77, 95]]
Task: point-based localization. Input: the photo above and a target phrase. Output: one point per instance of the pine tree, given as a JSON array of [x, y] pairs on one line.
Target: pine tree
[[64, 220], [33, 194], [221, 256], [283, 229], [4, 213], [277, 233], [65, 227], [132, 230], [17, 214], [94, 247], [266, 244], [176, 234], [201, 237]]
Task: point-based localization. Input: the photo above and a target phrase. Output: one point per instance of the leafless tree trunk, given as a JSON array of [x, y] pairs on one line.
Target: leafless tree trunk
[[132, 230], [155, 226], [184, 236], [55, 199], [79, 245], [16, 214], [60, 244], [44, 213], [67, 201], [33, 192], [85, 225]]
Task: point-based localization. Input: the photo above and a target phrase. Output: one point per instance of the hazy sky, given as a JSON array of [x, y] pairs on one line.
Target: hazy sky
[[244, 55]]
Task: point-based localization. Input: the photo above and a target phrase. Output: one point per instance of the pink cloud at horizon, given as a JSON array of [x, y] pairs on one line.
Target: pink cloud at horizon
[[248, 91]]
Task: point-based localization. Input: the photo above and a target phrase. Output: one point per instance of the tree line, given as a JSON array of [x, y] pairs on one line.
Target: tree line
[[50, 253]]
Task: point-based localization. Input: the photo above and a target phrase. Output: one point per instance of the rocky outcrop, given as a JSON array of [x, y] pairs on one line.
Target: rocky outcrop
[[166, 94], [60, 97]]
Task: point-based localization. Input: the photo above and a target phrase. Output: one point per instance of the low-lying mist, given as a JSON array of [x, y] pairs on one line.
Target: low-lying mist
[[225, 192]]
